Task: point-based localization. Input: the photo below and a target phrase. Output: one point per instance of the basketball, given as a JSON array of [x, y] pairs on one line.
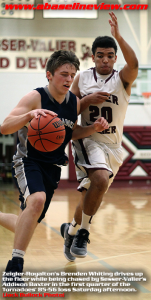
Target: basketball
[[46, 134]]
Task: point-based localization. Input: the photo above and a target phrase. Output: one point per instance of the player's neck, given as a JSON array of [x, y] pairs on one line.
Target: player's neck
[[102, 76], [58, 97]]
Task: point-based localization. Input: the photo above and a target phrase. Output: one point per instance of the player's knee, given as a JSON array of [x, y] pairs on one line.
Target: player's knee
[[104, 183], [38, 203], [101, 183]]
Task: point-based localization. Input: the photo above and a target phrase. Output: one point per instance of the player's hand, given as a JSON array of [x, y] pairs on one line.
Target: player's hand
[[114, 26], [97, 97], [100, 124], [36, 112]]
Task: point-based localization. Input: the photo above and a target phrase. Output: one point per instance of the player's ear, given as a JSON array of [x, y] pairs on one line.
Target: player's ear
[[48, 75], [93, 58], [115, 58]]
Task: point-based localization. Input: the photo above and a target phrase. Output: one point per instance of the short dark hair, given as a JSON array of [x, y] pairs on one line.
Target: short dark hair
[[104, 42], [61, 57]]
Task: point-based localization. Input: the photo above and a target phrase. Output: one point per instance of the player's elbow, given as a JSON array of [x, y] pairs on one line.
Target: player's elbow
[[4, 130], [135, 64], [74, 137]]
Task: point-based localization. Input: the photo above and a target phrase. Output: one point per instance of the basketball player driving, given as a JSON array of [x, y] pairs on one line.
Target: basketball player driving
[[37, 173], [99, 156]]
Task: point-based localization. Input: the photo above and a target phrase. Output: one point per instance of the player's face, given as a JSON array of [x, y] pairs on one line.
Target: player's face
[[62, 78], [104, 60]]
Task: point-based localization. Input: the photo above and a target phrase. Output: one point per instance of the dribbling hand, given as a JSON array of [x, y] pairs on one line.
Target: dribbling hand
[[43, 112]]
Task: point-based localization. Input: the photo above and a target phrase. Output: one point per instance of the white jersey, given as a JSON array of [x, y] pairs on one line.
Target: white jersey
[[113, 110]]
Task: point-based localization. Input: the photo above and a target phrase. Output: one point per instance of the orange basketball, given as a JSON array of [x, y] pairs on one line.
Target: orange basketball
[[46, 134]]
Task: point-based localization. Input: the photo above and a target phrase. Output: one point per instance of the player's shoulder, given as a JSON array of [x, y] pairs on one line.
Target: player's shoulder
[[89, 73], [31, 100], [39, 89], [117, 78], [34, 94]]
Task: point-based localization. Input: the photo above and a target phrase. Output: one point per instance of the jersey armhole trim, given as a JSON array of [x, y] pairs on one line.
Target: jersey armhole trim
[[127, 97]]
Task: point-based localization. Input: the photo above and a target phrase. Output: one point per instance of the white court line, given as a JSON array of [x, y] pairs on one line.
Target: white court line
[[105, 258]]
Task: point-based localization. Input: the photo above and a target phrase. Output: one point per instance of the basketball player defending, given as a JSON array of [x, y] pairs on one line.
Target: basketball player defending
[[37, 173], [99, 157]]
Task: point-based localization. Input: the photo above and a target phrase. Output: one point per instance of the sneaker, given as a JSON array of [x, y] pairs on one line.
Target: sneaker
[[67, 241], [79, 245], [14, 266]]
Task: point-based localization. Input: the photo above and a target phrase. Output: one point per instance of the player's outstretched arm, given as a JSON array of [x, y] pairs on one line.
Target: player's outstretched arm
[[27, 108], [129, 73]]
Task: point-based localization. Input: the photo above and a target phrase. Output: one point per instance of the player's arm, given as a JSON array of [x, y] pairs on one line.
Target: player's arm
[[80, 132], [129, 73], [94, 98], [27, 108]]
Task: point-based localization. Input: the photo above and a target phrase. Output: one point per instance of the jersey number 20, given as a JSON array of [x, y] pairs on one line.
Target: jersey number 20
[[106, 113]]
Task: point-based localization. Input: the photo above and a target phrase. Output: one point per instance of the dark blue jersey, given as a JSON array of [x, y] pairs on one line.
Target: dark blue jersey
[[67, 112]]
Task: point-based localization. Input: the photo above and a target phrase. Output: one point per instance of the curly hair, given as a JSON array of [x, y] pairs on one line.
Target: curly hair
[[104, 42]]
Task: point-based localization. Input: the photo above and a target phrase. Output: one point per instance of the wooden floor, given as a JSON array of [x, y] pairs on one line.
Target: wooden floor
[[120, 242]]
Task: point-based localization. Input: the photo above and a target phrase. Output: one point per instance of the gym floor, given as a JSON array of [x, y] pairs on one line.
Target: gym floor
[[120, 241]]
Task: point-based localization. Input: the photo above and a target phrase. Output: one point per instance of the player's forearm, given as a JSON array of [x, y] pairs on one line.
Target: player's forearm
[[85, 102], [81, 132], [128, 53], [13, 123]]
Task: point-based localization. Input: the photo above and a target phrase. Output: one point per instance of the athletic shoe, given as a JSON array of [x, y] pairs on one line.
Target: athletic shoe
[[79, 244], [13, 272], [67, 241]]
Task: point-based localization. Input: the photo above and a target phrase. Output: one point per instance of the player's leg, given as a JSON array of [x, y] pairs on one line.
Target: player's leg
[[100, 165], [28, 219], [100, 182], [36, 206], [91, 202], [92, 198], [68, 230], [79, 208], [8, 221], [32, 196], [92, 151], [25, 226], [94, 195]]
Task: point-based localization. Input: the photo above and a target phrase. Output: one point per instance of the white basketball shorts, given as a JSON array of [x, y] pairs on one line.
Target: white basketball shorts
[[88, 154]]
